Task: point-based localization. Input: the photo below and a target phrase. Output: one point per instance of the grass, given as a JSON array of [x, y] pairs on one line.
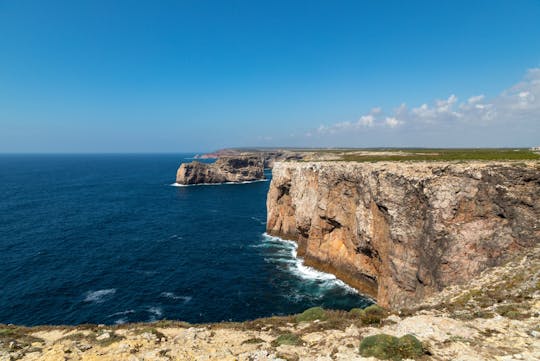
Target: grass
[[150, 330], [485, 154], [411, 154], [16, 335], [92, 338]]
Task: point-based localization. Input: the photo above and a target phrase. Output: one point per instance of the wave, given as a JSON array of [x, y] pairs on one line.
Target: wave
[[122, 313], [172, 296], [155, 313], [99, 296], [217, 184], [121, 321], [295, 264]]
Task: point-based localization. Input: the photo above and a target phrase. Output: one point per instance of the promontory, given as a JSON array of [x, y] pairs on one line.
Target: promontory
[[224, 170]]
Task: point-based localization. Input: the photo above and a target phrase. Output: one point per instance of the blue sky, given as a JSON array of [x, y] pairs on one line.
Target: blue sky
[[173, 76]]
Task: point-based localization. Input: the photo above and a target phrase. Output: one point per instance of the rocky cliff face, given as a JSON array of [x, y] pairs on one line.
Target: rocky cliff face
[[402, 231], [226, 169]]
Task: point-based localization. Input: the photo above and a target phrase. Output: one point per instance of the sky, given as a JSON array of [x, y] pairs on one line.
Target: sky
[[192, 76]]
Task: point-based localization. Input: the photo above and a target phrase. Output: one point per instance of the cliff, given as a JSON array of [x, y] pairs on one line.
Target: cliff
[[403, 231], [227, 169]]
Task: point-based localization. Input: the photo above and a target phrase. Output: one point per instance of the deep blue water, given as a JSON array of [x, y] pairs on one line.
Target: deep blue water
[[107, 239]]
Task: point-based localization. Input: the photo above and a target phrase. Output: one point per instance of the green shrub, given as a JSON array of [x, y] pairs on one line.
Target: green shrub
[[370, 315], [410, 347], [386, 347], [312, 314], [356, 312], [287, 339]]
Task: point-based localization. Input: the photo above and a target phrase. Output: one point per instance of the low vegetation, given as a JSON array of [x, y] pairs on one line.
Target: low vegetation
[[287, 338], [487, 154], [312, 314], [386, 347], [371, 315]]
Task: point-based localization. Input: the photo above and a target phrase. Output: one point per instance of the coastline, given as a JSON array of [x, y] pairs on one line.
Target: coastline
[[218, 184], [464, 323]]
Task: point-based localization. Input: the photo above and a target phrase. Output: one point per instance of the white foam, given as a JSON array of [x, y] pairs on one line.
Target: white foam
[[172, 296], [296, 265], [121, 321], [217, 184], [122, 313], [155, 313], [99, 296]]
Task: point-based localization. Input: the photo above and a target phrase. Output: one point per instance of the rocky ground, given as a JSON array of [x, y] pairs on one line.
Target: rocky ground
[[494, 317]]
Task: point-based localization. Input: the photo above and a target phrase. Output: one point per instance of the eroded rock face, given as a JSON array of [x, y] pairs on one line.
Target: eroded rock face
[[402, 231], [228, 169]]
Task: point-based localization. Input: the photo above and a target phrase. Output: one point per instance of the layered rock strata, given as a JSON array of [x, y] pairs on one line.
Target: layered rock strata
[[402, 231], [227, 169]]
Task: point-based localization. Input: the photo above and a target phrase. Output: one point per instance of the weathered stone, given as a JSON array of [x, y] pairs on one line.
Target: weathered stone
[[224, 170], [402, 231]]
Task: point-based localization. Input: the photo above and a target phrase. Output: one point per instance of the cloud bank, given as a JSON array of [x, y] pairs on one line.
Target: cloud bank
[[509, 119]]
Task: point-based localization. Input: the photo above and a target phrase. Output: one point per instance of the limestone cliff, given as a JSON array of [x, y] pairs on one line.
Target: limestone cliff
[[402, 231], [227, 169]]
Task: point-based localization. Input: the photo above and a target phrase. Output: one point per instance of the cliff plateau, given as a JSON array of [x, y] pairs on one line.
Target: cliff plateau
[[226, 169], [401, 231]]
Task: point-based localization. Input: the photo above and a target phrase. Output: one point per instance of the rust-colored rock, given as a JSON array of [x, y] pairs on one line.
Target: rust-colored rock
[[402, 231]]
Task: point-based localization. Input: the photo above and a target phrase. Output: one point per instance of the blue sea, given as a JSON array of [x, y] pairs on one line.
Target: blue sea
[[108, 239]]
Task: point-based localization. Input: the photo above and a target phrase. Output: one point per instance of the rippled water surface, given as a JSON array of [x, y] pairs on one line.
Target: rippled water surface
[[107, 239]]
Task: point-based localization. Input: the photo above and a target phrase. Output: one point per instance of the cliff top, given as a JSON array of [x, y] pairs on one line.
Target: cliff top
[[389, 154], [413, 169]]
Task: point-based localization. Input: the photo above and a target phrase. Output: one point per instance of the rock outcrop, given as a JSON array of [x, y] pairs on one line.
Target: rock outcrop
[[403, 231], [227, 169]]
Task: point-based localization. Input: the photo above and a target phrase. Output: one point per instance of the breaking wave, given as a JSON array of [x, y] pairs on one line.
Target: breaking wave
[[155, 313], [284, 255], [172, 296], [99, 296], [217, 184]]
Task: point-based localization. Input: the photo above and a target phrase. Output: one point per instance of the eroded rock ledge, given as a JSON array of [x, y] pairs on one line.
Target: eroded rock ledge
[[403, 231], [227, 169]]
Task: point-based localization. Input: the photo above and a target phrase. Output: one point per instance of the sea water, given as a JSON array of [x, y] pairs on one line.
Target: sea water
[[110, 239]]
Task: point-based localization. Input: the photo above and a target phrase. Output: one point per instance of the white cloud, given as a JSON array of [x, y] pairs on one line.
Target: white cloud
[[521, 102], [392, 122], [366, 120]]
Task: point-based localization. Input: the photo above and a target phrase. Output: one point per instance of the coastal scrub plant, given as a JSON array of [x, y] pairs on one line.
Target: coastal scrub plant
[[312, 314], [387, 347], [287, 339], [371, 315]]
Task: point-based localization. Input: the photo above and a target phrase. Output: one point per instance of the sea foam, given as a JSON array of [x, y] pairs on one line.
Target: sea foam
[[172, 296], [217, 184], [295, 264], [99, 296]]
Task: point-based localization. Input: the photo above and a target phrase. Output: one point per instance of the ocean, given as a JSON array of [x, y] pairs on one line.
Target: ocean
[[109, 239]]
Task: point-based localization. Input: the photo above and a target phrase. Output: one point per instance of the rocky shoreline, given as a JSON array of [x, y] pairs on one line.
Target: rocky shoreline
[[496, 316]]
